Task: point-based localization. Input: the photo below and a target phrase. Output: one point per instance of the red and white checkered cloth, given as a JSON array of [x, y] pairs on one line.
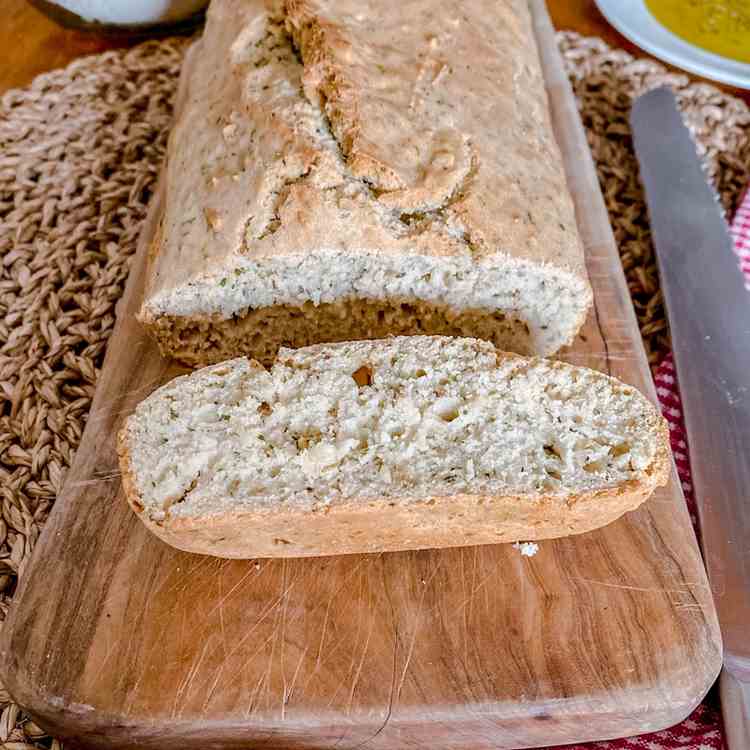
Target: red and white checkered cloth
[[740, 232], [702, 730]]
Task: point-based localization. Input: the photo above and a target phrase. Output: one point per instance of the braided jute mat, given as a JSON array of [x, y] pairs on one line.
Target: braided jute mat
[[80, 150]]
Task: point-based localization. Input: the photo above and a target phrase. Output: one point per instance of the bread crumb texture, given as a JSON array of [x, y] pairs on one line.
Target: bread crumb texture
[[328, 153], [398, 421], [263, 332]]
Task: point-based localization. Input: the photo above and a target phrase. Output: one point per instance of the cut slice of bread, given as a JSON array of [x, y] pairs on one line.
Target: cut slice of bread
[[403, 443]]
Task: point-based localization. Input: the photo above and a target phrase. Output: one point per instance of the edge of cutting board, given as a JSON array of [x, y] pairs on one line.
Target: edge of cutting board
[[65, 682]]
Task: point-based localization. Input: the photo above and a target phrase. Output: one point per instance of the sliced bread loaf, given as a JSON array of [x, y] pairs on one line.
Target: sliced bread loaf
[[403, 443], [345, 171]]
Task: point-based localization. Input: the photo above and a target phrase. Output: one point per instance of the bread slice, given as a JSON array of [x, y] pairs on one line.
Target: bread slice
[[404, 443], [341, 174]]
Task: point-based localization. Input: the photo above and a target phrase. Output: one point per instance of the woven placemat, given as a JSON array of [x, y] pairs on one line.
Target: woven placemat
[[80, 151], [605, 82]]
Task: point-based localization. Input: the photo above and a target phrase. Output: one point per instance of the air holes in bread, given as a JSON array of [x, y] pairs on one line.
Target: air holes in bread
[[551, 452], [619, 450], [363, 376]]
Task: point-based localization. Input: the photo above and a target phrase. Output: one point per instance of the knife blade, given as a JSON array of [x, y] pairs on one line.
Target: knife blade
[[709, 318]]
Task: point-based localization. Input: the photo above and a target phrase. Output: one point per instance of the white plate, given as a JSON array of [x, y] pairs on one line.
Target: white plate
[[633, 20]]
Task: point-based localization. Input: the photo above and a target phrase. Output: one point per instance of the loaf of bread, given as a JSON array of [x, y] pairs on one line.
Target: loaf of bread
[[346, 170], [404, 443]]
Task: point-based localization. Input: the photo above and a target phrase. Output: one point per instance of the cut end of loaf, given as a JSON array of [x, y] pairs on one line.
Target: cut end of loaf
[[255, 308], [386, 426], [260, 334]]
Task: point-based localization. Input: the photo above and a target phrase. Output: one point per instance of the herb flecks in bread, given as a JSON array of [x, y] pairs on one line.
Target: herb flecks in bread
[[332, 156], [405, 443]]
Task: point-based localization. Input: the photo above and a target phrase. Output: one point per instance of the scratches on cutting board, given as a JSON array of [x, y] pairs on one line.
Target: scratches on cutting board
[[360, 665], [415, 628], [644, 589], [222, 626], [323, 632], [476, 588], [290, 692], [281, 630], [271, 610], [184, 685], [394, 665], [222, 600], [363, 613]]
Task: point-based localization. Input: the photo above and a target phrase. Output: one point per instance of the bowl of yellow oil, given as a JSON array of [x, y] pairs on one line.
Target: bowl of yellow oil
[[708, 37]]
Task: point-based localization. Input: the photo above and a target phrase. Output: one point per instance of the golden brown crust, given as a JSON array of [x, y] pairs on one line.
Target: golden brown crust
[[380, 525], [442, 106], [129, 485]]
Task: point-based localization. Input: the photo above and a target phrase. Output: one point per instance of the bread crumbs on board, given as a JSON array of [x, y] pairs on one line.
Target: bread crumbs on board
[[527, 549]]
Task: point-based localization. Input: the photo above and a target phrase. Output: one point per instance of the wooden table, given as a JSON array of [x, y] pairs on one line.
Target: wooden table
[[31, 44]]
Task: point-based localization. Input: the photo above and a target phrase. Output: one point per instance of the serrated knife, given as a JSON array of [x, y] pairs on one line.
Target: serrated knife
[[709, 318]]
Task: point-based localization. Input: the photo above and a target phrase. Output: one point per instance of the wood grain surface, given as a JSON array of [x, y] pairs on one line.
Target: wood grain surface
[[120, 641], [30, 44]]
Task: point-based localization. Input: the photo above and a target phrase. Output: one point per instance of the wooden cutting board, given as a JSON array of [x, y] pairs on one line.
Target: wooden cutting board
[[119, 640]]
